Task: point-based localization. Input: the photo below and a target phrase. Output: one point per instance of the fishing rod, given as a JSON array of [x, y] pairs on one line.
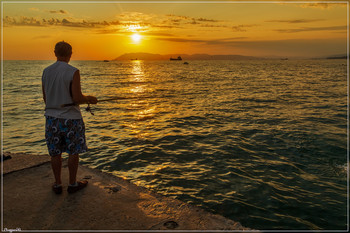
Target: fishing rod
[[103, 100], [88, 108]]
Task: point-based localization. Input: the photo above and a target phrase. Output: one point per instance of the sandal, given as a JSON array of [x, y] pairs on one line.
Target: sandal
[[80, 185], [57, 188]]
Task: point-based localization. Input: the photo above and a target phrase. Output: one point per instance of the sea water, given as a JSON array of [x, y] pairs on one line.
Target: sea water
[[263, 142]]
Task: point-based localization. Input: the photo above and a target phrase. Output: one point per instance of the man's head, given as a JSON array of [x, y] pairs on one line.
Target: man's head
[[63, 51]]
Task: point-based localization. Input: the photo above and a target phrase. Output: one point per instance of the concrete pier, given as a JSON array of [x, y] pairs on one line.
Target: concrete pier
[[108, 203]]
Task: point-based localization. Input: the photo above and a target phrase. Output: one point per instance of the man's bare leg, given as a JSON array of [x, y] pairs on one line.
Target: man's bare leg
[[74, 186], [56, 164], [73, 162]]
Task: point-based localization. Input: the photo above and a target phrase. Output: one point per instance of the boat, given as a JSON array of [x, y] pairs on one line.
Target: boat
[[176, 59], [185, 63]]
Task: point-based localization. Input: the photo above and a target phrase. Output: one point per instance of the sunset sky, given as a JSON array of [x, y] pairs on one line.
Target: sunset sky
[[109, 29]]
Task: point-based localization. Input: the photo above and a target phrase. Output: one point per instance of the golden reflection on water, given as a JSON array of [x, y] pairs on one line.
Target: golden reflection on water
[[137, 75], [137, 66], [140, 110]]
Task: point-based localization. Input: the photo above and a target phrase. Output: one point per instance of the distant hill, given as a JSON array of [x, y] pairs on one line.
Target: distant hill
[[150, 56], [338, 57]]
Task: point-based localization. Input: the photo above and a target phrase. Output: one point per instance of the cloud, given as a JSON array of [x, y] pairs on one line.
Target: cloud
[[312, 29], [141, 22], [323, 6], [22, 21], [296, 21], [128, 22], [165, 26], [65, 22], [185, 22], [108, 31], [100, 27], [134, 15], [152, 23], [180, 19], [208, 20], [58, 12], [243, 27], [87, 24], [208, 42]]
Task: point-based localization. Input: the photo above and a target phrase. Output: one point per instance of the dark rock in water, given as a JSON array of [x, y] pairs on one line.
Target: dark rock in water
[[114, 189], [171, 224]]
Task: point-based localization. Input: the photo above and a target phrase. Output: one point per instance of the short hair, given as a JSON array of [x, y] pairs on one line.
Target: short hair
[[63, 49]]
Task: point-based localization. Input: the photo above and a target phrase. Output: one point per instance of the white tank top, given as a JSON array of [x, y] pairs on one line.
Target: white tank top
[[57, 79]]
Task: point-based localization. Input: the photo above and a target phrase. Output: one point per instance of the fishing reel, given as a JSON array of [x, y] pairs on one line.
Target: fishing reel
[[88, 109]]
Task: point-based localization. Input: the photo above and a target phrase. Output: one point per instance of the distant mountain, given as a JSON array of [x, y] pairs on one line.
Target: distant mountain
[[339, 56], [150, 56]]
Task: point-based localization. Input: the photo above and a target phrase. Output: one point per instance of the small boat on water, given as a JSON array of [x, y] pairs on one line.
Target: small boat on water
[[176, 59], [105, 61], [186, 63]]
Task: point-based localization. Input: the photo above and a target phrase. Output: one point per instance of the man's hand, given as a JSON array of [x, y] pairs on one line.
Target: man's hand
[[91, 99]]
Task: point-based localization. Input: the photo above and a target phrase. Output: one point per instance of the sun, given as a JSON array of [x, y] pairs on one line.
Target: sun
[[136, 38]]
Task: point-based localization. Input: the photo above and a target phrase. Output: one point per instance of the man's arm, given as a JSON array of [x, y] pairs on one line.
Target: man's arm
[[44, 95], [77, 95]]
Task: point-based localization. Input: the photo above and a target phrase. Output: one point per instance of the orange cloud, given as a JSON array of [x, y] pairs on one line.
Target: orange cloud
[[65, 22], [311, 29], [322, 6], [295, 21], [58, 12]]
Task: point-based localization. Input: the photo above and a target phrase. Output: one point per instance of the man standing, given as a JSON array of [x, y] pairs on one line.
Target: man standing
[[65, 129]]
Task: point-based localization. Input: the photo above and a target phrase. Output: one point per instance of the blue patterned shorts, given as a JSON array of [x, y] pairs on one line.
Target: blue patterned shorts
[[65, 135]]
